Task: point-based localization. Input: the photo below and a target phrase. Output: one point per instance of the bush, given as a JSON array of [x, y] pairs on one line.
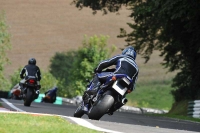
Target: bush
[[48, 81], [4, 46], [73, 67]]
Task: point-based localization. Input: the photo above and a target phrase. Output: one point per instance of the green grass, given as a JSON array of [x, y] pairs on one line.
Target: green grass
[[153, 85], [152, 94], [179, 108], [29, 123]]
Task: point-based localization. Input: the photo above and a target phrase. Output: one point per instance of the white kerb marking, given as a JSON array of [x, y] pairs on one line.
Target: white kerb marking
[[85, 123], [79, 121], [11, 105]]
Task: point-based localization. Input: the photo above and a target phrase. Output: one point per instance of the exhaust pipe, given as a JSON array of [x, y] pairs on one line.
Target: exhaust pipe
[[124, 101], [120, 104]]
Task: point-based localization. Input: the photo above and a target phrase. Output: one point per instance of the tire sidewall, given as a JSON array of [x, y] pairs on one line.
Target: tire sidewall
[[101, 107], [29, 97], [79, 112]]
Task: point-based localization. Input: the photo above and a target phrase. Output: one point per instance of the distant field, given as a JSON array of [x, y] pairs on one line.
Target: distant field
[[41, 28]]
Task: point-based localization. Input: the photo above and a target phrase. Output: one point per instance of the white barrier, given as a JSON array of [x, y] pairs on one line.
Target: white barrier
[[194, 109]]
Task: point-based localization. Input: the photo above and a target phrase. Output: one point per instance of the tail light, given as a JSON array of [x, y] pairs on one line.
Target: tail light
[[114, 78], [31, 81], [128, 91]]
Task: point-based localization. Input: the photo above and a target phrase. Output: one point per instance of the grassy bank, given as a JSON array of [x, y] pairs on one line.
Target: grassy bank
[[153, 85], [29, 123], [152, 94], [180, 117], [178, 111]]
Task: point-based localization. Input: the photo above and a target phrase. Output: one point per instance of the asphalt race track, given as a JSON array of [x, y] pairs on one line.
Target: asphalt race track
[[119, 121]]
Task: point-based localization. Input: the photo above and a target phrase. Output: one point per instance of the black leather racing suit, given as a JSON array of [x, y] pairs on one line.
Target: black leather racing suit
[[31, 70], [125, 64]]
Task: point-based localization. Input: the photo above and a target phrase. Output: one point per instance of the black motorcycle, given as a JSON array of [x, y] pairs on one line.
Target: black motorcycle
[[30, 90], [110, 97]]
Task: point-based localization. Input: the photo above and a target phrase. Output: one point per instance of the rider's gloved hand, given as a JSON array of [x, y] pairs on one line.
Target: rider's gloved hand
[[96, 71]]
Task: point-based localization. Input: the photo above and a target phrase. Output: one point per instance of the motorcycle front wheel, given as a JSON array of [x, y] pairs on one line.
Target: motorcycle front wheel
[[79, 112]]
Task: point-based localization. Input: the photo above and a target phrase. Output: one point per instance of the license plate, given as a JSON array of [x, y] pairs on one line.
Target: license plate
[[119, 89]]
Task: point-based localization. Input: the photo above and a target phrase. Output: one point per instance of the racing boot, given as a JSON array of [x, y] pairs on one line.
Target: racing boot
[[85, 104], [22, 95], [37, 92], [21, 86], [85, 108]]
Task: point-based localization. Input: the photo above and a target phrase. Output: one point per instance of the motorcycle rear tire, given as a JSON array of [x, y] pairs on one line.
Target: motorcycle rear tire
[[101, 108], [29, 97], [79, 112]]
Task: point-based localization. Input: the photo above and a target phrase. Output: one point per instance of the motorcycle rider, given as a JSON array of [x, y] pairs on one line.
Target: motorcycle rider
[[30, 70], [15, 92], [50, 95], [124, 64]]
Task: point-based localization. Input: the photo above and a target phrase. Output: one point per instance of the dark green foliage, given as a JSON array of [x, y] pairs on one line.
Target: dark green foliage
[[173, 27], [104, 5], [93, 51], [48, 81], [62, 63], [61, 67]]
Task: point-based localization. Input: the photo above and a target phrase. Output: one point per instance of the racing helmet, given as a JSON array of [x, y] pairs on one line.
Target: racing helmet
[[130, 51], [32, 61]]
